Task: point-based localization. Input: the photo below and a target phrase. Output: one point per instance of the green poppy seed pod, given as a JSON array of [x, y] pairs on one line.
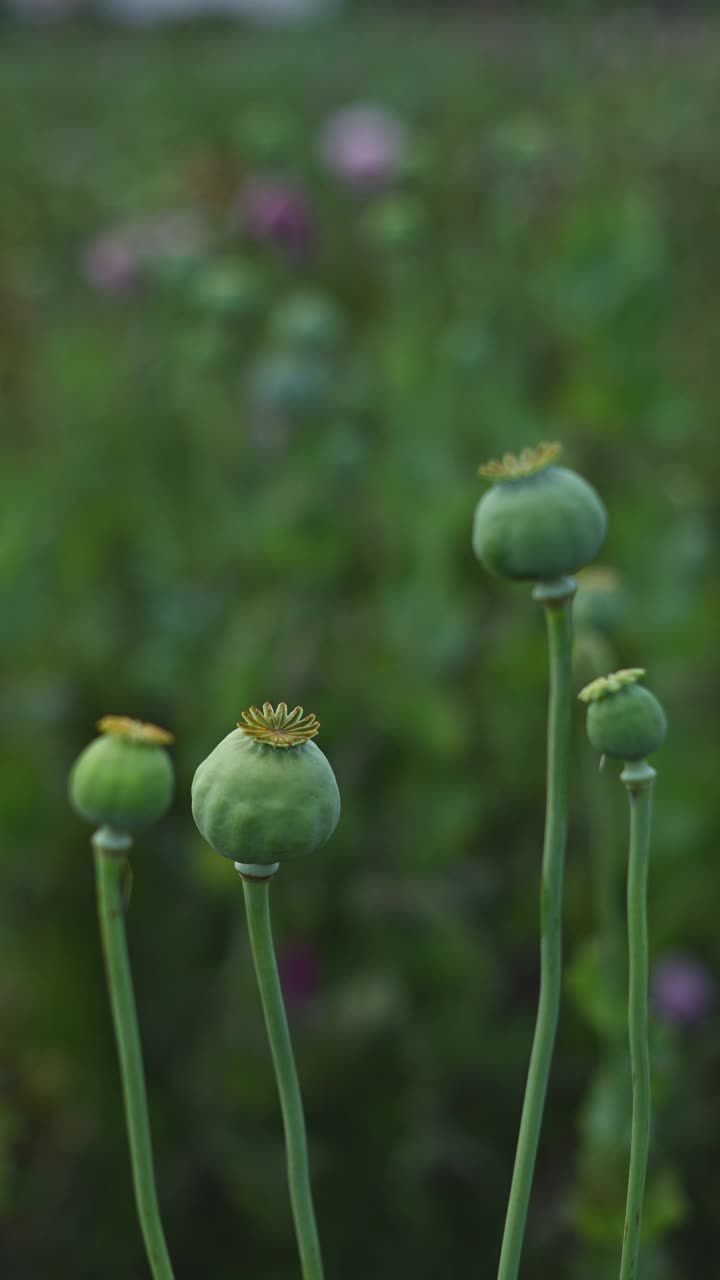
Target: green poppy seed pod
[[396, 223], [308, 322], [624, 720], [538, 522], [227, 289], [267, 793], [600, 602], [267, 136], [124, 778], [289, 386]]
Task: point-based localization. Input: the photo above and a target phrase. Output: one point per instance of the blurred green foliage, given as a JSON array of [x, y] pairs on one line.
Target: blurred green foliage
[[252, 476]]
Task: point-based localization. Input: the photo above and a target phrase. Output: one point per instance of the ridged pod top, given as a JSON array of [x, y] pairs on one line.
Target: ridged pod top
[[279, 727], [136, 730], [603, 686], [517, 466]]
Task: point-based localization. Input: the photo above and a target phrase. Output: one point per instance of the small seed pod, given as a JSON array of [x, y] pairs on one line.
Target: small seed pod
[[267, 793], [600, 603], [308, 322], [624, 720], [124, 778], [227, 289], [289, 387], [538, 521]]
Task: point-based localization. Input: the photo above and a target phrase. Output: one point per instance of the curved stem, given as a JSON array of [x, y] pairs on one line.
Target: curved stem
[[112, 872], [559, 627], [640, 821], [257, 903]]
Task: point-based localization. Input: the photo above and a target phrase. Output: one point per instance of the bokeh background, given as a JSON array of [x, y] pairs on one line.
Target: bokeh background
[[268, 296]]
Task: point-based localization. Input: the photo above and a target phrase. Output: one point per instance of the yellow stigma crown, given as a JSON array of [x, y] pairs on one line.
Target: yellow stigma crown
[[135, 730], [526, 463], [605, 685]]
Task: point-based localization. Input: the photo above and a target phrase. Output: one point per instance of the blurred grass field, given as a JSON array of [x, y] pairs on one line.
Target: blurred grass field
[[201, 511]]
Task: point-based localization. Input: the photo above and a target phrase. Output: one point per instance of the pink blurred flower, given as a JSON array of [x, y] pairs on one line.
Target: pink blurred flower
[[110, 263], [115, 260], [364, 145], [682, 991], [276, 210]]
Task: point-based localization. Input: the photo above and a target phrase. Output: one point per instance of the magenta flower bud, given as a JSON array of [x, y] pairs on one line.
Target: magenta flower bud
[[276, 211], [682, 991], [365, 146]]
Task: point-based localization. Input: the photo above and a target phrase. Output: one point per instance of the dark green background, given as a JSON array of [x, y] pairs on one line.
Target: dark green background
[[561, 280]]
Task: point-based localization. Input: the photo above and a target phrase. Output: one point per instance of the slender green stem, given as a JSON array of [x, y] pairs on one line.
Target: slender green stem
[[640, 793], [257, 903], [113, 872], [559, 627]]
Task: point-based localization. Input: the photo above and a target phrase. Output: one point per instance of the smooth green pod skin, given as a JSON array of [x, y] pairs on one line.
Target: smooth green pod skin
[[120, 783], [538, 527], [627, 725], [260, 804]]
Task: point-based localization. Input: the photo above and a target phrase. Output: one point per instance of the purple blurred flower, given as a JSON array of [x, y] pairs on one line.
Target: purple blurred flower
[[276, 210], [682, 991], [298, 974], [115, 260], [364, 145]]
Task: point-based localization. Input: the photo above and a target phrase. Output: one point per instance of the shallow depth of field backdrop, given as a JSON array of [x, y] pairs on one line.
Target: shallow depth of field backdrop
[[243, 400]]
